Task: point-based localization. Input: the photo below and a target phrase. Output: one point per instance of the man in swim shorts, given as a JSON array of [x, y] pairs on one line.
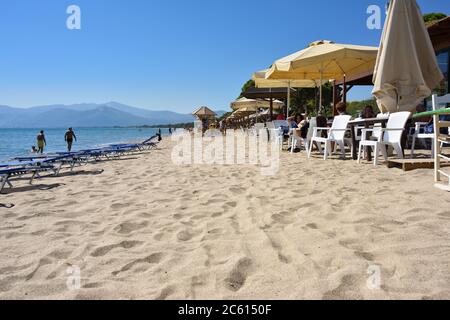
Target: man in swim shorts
[[69, 136]]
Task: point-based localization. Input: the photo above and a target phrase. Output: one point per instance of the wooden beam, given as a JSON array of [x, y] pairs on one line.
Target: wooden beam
[[335, 96], [344, 93]]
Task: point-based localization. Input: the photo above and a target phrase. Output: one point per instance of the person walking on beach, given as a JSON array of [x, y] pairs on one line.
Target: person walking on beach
[[69, 136], [41, 142]]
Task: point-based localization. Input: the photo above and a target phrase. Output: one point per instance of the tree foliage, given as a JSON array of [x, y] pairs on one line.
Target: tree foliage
[[306, 100], [356, 107], [249, 84], [430, 17]]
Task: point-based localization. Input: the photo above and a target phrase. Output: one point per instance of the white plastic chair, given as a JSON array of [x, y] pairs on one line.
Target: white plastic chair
[[213, 133], [376, 133], [390, 136], [270, 125], [280, 123], [335, 134], [277, 137], [349, 142], [256, 130], [260, 126], [419, 134], [277, 133], [297, 140]]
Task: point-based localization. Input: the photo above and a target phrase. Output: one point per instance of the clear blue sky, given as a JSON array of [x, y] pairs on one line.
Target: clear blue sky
[[164, 54]]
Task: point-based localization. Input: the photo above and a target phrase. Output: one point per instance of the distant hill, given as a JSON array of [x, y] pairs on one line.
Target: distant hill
[[87, 115]]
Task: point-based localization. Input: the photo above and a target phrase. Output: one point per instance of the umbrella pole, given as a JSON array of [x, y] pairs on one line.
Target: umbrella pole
[[288, 104], [271, 106], [344, 96], [321, 79]]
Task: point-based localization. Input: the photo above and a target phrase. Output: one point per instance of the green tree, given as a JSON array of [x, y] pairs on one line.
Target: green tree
[[306, 100], [249, 84], [356, 107], [224, 116], [430, 17]]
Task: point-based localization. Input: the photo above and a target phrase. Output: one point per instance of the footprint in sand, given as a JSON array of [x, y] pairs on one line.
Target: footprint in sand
[[347, 290], [178, 216], [365, 255], [165, 293], [312, 226], [197, 282], [129, 227], [151, 259], [118, 206], [100, 252], [60, 254], [279, 249], [237, 277], [231, 204], [237, 190], [283, 218], [217, 214], [185, 235], [12, 269], [43, 262], [213, 201], [36, 215]]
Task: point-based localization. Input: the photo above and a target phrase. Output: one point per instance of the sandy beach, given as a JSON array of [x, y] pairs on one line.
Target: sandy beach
[[144, 228]]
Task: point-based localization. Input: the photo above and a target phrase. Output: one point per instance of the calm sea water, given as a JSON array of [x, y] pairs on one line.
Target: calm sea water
[[18, 142]]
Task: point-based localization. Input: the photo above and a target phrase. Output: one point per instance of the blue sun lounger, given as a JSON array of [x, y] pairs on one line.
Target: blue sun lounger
[[124, 148], [57, 161], [8, 173], [147, 144]]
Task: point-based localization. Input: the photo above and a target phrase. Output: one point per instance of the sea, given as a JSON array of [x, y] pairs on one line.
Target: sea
[[18, 142]]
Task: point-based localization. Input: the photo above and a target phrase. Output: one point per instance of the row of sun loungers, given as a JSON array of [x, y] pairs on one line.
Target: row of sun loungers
[[33, 165]]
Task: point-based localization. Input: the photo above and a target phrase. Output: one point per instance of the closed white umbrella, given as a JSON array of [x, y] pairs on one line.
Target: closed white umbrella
[[406, 70]]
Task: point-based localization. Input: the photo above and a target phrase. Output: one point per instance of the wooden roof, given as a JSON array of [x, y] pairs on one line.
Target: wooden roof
[[440, 33], [440, 37]]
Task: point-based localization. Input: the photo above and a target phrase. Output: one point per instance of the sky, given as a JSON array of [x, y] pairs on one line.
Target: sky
[[165, 54]]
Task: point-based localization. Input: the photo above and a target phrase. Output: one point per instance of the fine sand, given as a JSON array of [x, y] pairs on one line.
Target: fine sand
[[144, 228]]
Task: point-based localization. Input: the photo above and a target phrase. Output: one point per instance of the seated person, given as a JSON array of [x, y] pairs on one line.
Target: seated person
[[341, 108], [411, 124], [322, 122], [419, 109], [291, 125], [368, 113], [430, 127], [303, 124]]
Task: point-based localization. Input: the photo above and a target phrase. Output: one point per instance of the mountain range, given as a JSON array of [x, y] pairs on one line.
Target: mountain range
[[88, 115]]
